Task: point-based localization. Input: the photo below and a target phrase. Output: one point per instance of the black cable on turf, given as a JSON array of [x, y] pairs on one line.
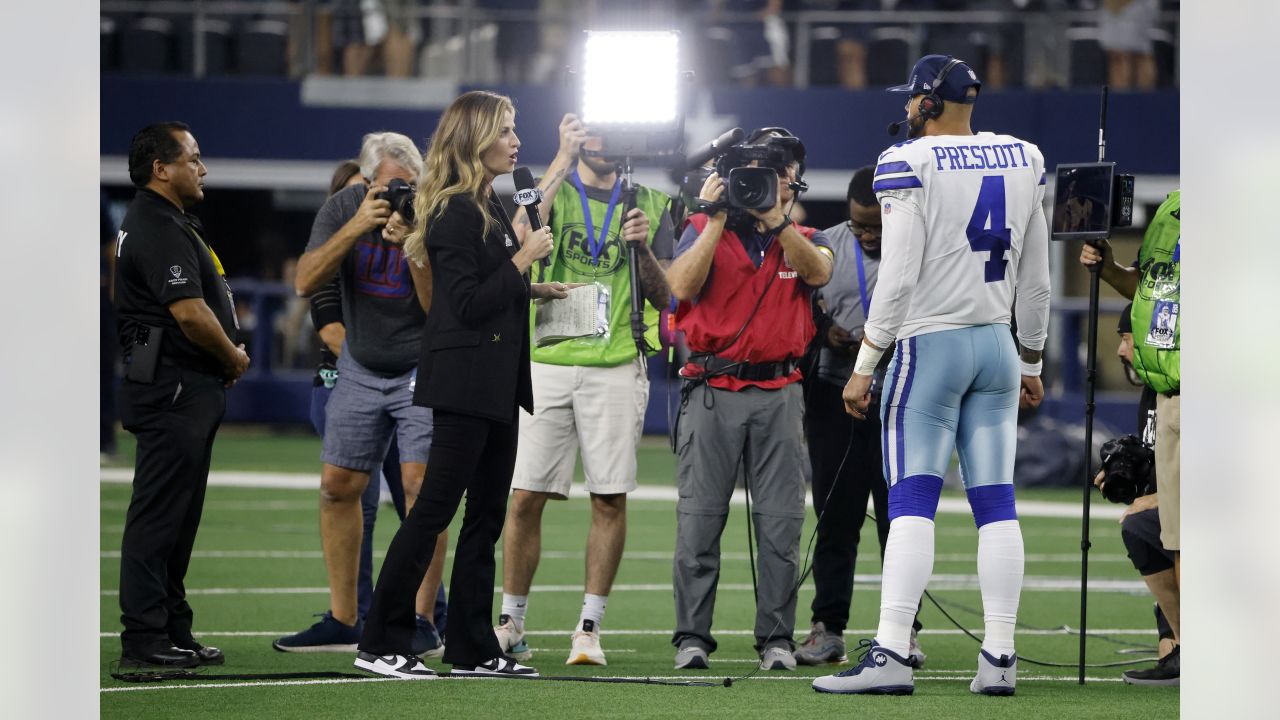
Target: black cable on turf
[[1065, 629]]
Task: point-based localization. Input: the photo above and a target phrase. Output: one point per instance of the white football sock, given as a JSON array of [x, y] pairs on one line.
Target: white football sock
[[908, 563], [593, 609], [515, 606], [1000, 561]]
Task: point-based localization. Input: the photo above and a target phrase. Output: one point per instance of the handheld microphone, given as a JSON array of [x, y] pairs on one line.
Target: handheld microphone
[[699, 157], [528, 196]]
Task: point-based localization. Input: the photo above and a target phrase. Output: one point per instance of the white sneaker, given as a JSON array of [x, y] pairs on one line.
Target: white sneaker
[[407, 667], [880, 672], [915, 655], [777, 658], [510, 634], [586, 646], [497, 667], [996, 676]]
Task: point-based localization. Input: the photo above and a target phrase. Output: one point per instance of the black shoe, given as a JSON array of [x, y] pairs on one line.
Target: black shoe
[[208, 655], [163, 657], [501, 666], [1165, 672]]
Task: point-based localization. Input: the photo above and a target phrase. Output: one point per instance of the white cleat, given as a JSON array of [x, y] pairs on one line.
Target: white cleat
[[586, 646], [996, 676]]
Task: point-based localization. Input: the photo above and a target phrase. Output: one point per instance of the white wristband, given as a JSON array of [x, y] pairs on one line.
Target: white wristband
[[1031, 369], [868, 359]]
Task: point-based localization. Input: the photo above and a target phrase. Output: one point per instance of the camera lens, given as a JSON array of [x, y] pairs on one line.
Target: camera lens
[[753, 188]]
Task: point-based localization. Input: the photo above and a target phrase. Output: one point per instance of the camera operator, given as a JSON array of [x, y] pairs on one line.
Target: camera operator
[[358, 236], [1128, 476], [1153, 283], [177, 325], [744, 280]]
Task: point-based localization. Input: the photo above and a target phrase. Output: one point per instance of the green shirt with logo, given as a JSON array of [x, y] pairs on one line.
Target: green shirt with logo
[[571, 262], [1156, 314]]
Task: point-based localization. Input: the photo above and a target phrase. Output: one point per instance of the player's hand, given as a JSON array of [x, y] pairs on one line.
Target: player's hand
[[857, 395], [636, 228], [1032, 392], [396, 229], [372, 213], [712, 191], [239, 363], [537, 243], [550, 290], [839, 339], [572, 134], [1092, 254], [1142, 504]]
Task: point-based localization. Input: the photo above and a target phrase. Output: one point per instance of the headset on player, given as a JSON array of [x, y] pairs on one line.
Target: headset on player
[[931, 105]]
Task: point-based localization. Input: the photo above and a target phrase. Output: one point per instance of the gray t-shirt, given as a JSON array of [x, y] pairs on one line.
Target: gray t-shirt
[[379, 305], [844, 300]]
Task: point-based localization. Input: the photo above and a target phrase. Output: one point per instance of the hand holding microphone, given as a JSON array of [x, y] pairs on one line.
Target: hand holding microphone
[[529, 197]]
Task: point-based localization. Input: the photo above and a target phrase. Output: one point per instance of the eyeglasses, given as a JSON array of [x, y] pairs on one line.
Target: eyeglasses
[[860, 230]]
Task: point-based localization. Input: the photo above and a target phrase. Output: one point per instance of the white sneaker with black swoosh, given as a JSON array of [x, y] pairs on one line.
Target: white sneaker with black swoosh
[[501, 666], [406, 667]]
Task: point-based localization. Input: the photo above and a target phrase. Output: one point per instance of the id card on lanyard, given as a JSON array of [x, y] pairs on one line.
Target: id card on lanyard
[[596, 244]]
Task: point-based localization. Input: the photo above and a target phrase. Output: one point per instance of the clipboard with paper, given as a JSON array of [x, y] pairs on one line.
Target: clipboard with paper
[[583, 314]]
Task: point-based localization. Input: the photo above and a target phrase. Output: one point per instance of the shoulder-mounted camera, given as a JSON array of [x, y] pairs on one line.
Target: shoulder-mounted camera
[[1130, 469]]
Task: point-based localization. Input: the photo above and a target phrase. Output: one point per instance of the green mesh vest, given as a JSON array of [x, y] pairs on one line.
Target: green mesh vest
[[571, 263], [1156, 316]]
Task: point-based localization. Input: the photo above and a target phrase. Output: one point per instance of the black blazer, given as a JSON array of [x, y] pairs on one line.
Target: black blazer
[[475, 348]]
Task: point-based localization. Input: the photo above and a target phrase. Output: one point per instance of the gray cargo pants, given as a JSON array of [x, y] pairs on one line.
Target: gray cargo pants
[[718, 431]]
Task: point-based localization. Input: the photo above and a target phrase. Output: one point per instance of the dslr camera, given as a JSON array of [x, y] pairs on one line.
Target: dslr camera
[[1130, 469], [750, 187], [400, 194]]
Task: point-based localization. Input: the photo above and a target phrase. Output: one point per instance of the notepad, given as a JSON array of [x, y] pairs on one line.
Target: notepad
[[584, 314]]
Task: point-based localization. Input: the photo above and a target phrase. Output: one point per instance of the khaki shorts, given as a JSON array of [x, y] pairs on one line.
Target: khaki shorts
[[598, 410], [1168, 439]]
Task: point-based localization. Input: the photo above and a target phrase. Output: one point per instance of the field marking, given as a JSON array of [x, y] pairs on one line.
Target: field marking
[[1032, 583], [661, 555], [712, 678], [1063, 632], [311, 481]]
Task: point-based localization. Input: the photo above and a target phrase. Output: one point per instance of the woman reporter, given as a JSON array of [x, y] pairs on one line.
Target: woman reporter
[[474, 373]]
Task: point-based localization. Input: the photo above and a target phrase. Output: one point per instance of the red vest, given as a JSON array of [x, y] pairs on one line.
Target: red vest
[[783, 323]]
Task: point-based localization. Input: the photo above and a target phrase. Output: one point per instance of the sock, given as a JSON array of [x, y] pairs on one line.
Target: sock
[[593, 608], [515, 606], [1000, 561], [908, 563]]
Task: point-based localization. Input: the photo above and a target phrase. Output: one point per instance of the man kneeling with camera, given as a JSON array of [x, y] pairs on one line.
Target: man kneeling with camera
[[1128, 476]]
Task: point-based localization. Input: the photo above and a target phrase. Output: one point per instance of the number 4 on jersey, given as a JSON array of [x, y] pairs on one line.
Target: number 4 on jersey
[[987, 231]]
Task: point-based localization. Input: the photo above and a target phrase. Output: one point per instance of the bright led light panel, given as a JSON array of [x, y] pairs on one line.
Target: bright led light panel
[[630, 78]]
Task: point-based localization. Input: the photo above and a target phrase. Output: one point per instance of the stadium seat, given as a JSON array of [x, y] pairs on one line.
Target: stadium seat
[[1166, 58], [108, 42], [822, 56], [262, 48], [716, 52], [889, 57], [217, 47], [146, 46], [1088, 66]]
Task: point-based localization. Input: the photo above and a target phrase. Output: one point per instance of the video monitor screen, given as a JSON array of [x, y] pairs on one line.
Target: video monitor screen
[[1082, 201]]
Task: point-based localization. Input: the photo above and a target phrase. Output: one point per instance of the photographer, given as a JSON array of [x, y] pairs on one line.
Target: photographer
[[1153, 283], [744, 280], [588, 392], [358, 236], [1128, 476]]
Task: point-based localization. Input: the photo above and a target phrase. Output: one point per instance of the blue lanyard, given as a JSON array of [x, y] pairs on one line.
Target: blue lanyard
[[862, 282], [596, 245]]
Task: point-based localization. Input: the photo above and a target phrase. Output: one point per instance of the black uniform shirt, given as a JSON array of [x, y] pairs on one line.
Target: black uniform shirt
[[161, 257]]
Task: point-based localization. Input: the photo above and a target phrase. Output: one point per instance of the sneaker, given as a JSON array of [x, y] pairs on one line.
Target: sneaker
[[996, 676], [777, 658], [501, 666], [510, 634], [880, 671], [328, 635], [406, 667], [426, 641], [1165, 672], [915, 655], [822, 646], [586, 646], [692, 657]]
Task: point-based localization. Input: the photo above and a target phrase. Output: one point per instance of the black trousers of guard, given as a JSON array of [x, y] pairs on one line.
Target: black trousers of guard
[[174, 419], [470, 455]]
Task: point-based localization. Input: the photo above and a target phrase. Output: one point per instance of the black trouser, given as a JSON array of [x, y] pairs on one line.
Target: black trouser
[[468, 454], [831, 431], [174, 419]]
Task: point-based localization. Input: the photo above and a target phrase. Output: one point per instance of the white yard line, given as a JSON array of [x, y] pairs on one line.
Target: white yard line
[[311, 481], [1063, 632]]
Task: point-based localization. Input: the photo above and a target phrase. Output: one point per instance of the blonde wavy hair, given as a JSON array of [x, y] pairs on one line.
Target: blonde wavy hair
[[466, 129]]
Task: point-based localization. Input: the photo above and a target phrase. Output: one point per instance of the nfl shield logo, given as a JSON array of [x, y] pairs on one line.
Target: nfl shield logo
[[888, 208]]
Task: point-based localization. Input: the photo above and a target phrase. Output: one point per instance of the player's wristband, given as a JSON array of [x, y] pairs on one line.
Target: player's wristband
[[868, 359], [1032, 369]]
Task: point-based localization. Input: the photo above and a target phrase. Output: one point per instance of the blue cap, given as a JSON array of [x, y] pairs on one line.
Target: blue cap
[[954, 85]]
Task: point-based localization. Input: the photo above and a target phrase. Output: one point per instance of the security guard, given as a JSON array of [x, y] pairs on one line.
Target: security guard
[[176, 322]]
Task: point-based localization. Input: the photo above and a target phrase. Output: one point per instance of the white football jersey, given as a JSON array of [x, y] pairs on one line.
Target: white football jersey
[[964, 228]]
